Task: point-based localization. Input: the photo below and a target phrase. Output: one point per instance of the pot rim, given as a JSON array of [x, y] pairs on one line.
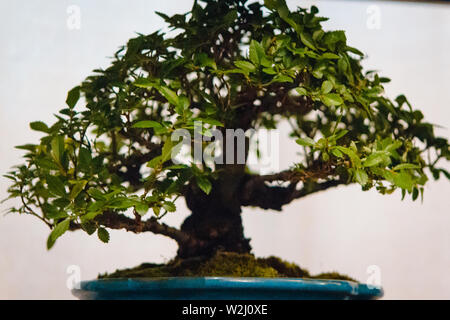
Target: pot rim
[[142, 285]]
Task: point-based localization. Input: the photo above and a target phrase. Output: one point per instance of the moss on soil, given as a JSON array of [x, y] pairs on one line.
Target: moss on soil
[[223, 264]]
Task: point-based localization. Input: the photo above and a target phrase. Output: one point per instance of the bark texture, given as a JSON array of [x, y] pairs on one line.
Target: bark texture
[[215, 223]]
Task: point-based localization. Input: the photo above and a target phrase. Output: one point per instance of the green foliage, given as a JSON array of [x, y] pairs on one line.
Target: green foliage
[[57, 232], [204, 184], [103, 235], [226, 56]]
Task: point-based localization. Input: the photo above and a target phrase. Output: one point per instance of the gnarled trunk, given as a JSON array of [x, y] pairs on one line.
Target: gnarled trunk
[[215, 223]]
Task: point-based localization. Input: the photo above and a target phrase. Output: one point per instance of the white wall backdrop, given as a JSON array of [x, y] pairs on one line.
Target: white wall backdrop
[[344, 229]]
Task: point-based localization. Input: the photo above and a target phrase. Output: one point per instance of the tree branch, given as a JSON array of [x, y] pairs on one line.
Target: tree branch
[[318, 170], [118, 221], [316, 187], [257, 193]]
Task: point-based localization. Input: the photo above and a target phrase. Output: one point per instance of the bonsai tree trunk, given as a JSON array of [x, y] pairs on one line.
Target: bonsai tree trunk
[[215, 222]]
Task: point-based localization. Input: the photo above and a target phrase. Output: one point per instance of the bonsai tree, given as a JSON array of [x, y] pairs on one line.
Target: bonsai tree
[[108, 162]]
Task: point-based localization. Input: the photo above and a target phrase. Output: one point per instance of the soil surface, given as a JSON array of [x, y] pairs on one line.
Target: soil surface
[[223, 264]]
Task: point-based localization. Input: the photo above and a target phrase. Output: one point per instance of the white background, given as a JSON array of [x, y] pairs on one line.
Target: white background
[[345, 229]]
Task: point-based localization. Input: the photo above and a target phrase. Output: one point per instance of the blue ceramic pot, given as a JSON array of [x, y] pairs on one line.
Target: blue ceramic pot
[[224, 288]]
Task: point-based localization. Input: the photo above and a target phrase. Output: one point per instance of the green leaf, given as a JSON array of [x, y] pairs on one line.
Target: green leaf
[[163, 15], [57, 232], [55, 186], [307, 40], [342, 65], [339, 135], [282, 78], [351, 154], [446, 173], [210, 121], [361, 177], [166, 154], [245, 65], [278, 5], [415, 194], [84, 159], [144, 83], [62, 203], [141, 208], [167, 150], [327, 86], [155, 162], [387, 174], [403, 166], [321, 143], [403, 194], [404, 180], [230, 17], [273, 4], [318, 35], [56, 213], [329, 55], [282, 9], [39, 126], [354, 50], [269, 70], [337, 153], [46, 164], [147, 124], [169, 206], [57, 145], [253, 53], [9, 177], [96, 194], [257, 53], [317, 74], [89, 227], [393, 146], [170, 95], [177, 167], [72, 97], [245, 72], [183, 104], [121, 202], [77, 188], [301, 91], [28, 147], [204, 184], [375, 159], [103, 234], [156, 210], [205, 61], [332, 99], [96, 210], [307, 142]]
